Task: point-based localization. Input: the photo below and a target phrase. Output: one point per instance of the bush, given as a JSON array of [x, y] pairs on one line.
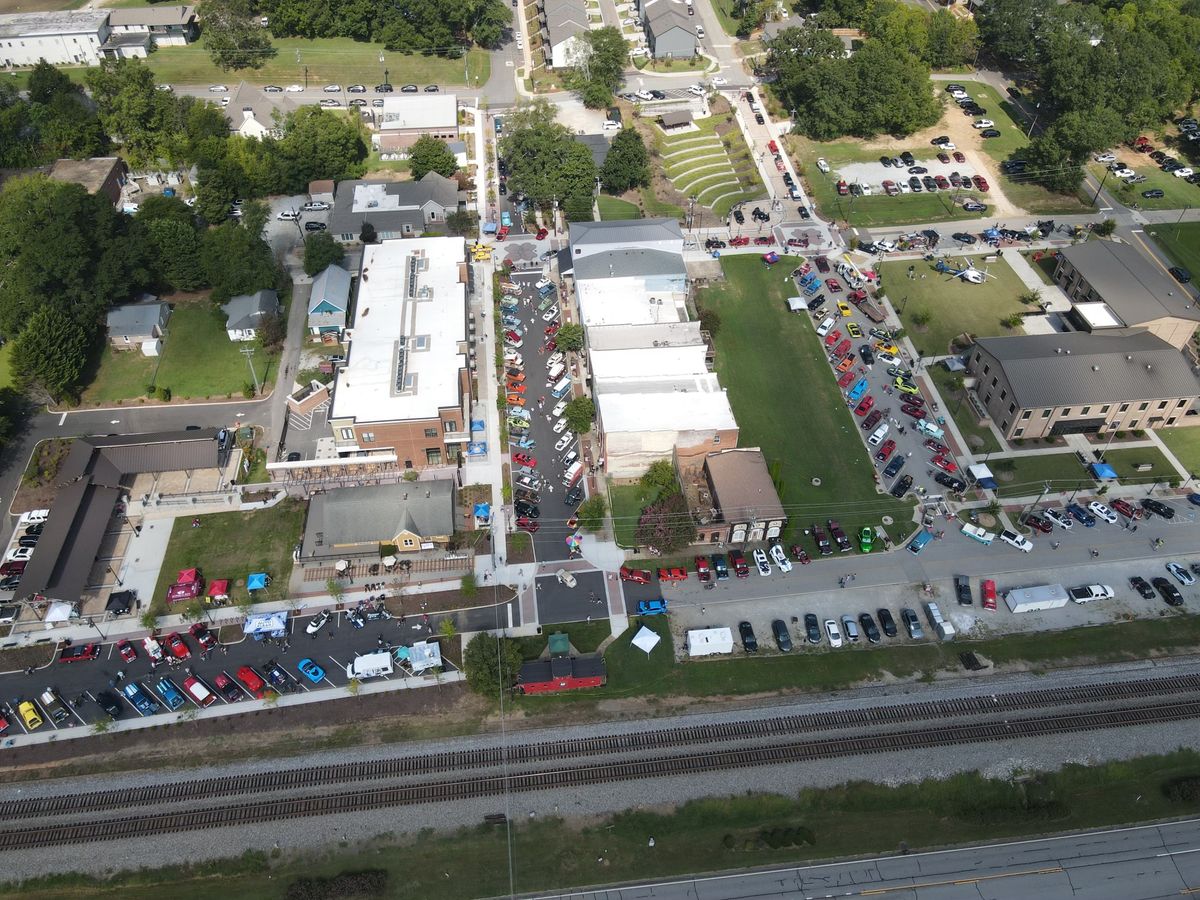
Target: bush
[[164, 394], [367, 883], [151, 391], [247, 390]]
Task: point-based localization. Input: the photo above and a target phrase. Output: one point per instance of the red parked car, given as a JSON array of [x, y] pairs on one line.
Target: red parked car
[[834, 285], [945, 464], [740, 241], [203, 636], [79, 652], [1129, 512], [526, 524], [637, 576], [915, 411], [843, 348], [800, 555], [933, 445], [987, 593], [864, 405], [127, 651], [832, 338], [888, 448], [251, 681], [541, 234], [177, 647], [738, 560], [847, 377], [524, 459], [675, 573], [703, 572], [980, 183]]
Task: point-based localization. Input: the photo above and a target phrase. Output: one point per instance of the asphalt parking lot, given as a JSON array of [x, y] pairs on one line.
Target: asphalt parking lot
[[584, 602], [283, 234]]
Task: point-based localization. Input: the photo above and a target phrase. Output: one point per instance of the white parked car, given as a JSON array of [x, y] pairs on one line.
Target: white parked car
[[780, 558], [332, 89], [551, 314], [719, 80], [1183, 173], [217, 88], [566, 578], [1104, 157], [886, 246], [1016, 540], [1182, 575], [948, 145], [558, 408], [512, 356], [983, 123], [700, 32], [564, 442], [288, 215], [643, 94], [1089, 592], [318, 622], [697, 90], [760, 560], [314, 206], [833, 633], [822, 164], [1100, 511], [823, 328], [294, 88], [878, 435], [560, 426], [1124, 173], [19, 554]]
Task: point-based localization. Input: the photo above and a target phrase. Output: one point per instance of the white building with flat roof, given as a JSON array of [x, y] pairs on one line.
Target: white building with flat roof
[[66, 37], [405, 384]]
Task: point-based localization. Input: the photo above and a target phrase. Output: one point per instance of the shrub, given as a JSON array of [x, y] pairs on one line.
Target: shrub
[[164, 394], [247, 390]]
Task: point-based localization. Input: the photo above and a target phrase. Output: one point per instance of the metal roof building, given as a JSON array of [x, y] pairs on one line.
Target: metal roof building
[[356, 521]]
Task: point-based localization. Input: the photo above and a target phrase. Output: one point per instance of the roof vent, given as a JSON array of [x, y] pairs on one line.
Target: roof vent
[[1128, 357], [1058, 349], [1095, 368], [1149, 368], [1068, 353]]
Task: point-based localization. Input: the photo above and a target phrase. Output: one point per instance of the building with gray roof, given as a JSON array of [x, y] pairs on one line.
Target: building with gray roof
[[597, 144], [396, 209], [358, 522], [563, 24], [133, 324], [167, 26], [744, 502], [245, 314], [1049, 384], [254, 113], [669, 34], [64, 37], [1115, 288], [329, 301]]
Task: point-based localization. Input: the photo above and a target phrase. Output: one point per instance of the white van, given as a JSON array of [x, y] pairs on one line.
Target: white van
[[562, 388], [572, 474], [555, 373], [370, 665]]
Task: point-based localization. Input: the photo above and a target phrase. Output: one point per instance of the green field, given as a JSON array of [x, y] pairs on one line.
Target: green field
[[762, 349], [981, 438], [628, 501], [198, 361], [1177, 193], [1124, 460], [1185, 444], [616, 208], [724, 10], [328, 60], [718, 187], [955, 306], [659, 208], [233, 545], [1180, 242], [1031, 473], [6, 365], [586, 637]]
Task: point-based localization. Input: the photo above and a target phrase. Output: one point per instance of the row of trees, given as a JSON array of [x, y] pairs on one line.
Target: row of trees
[[598, 66], [881, 89], [546, 163], [422, 26]]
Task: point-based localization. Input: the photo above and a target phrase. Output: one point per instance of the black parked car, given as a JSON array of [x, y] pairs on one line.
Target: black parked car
[[1139, 584], [957, 485], [523, 508], [1169, 592], [749, 641], [782, 638], [1158, 508], [811, 629], [739, 217], [894, 467], [867, 624], [574, 496], [962, 590], [887, 623], [900, 488], [110, 703]]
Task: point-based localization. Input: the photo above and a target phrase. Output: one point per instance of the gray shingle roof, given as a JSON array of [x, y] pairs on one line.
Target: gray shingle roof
[[626, 262], [136, 318], [1047, 370], [262, 106], [1133, 287], [154, 15], [248, 310], [597, 144], [378, 513], [625, 232], [331, 286], [565, 19], [743, 485], [399, 203]]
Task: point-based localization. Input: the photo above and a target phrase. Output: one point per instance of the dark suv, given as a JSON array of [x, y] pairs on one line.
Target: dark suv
[[749, 641], [522, 508], [811, 629], [782, 638]]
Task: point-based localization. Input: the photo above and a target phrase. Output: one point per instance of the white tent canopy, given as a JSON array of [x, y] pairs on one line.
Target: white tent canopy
[[59, 611], [424, 655], [797, 304], [709, 641], [269, 623], [646, 640]]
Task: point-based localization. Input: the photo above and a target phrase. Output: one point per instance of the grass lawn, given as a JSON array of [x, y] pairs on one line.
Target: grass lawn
[[390, 169], [955, 305], [628, 501], [695, 176], [1043, 265], [1124, 460], [724, 10], [659, 208], [1003, 113], [695, 64], [329, 60], [198, 361], [708, 835], [616, 208], [1180, 242], [1030, 474], [5, 367], [1185, 444], [981, 438], [806, 433], [233, 545], [1177, 193], [880, 209], [586, 637]]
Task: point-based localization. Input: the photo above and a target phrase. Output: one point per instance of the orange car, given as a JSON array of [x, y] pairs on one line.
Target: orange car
[[515, 400], [847, 363], [515, 387], [515, 376]]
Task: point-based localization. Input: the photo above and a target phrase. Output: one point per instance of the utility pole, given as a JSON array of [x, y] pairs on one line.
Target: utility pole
[[1099, 189], [1036, 503], [248, 352]]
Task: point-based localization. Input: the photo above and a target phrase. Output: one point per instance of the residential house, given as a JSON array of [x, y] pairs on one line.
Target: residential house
[[134, 325], [1114, 289], [396, 209], [99, 175], [669, 34], [329, 302], [245, 314], [166, 26], [1037, 385], [363, 522], [598, 145], [253, 113], [564, 22]]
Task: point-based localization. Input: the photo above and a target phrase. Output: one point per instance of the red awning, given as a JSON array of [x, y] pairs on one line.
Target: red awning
[[187, 576], [219, 588]]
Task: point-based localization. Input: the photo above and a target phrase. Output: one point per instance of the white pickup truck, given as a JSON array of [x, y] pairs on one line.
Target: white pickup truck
[[1089, 592], [980, 534]]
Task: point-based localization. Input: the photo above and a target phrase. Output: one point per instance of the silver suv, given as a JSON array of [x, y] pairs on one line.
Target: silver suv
[[912, 623]]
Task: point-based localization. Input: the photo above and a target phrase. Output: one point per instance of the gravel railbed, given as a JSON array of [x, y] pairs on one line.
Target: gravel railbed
[[999, 759], [870, 695]]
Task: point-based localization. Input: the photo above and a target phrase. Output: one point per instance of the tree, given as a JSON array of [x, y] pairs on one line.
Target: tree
[[367, 235], [952, 41], [316, 145], [570, 337], [597, 67], [579, 414], [1105, 227], [627, 165], [335, 589], [921, 317], [666, 524], [320, 252], [46, 82], [216, 189], [1007, 27], [177, 249], [233, 39], [51, 352], [271, 333], [660, 477], [591, 512], [545, 161], [710, 321], [460, 222], [447, 628], [429, 154], [468, 586], [236, 262], [491, 664], [143, 119]]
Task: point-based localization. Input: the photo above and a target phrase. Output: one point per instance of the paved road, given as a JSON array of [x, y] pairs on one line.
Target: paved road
[[335, 646], [1139, 863]]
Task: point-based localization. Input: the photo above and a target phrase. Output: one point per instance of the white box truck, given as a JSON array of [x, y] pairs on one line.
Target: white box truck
[[1036, 598], [370, 665]]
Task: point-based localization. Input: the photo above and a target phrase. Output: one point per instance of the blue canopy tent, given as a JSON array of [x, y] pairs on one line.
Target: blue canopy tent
[[258, 581], [1102, 471], [483, 514]]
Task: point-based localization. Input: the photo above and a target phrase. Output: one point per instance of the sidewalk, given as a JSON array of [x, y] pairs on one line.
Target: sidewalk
[[1050, 294]]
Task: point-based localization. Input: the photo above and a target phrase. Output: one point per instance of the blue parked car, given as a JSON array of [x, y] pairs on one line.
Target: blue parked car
[[652, 607], [1081, 515], [1194, 499], [857, 391], [141, 700], [311, 670], [171, 695]]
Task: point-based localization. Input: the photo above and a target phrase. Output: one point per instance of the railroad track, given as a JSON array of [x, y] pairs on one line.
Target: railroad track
[[275, 810], [626, 742]]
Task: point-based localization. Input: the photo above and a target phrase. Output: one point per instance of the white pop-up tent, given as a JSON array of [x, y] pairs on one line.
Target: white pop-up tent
[[709, 641], [646, 640]]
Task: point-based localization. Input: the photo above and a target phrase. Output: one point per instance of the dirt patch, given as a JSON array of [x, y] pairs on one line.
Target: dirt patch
[[39, 484], [18, 659]]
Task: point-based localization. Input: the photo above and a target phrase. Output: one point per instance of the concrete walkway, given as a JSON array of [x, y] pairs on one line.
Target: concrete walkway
[[1050, 294]]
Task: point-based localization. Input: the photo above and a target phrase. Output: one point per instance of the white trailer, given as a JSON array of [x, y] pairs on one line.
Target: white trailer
[[709, 641], [370, 665], [1037, 598]]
